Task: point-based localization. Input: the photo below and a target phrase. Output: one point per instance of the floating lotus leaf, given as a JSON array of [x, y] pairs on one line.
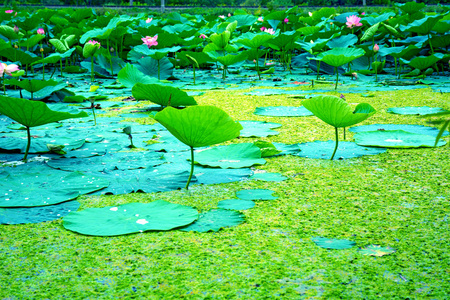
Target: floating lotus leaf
[[405, 127], [337, 57], [336, 112], [36, 188], [199, 126], [215, 175], [214, 220], [236, 204], [333, 243], [345, 150], [282, 111], [162, 95], [415, 110], [256, 194], [232, 156], [376, 250], [395, 139], [38, 214], [258, 128], [268, 177], [130, 218]]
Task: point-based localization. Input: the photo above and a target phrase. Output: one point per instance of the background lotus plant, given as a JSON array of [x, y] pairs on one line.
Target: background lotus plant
[[89, 50]]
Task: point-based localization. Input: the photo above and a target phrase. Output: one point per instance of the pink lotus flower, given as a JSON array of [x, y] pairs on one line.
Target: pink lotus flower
[[222, 17], [16, 29], [363, 13], [150, 41], [263, 28], [148, 20], [270, 31], [376, 48], [10, 11], [286, 20], [40, 31], [260, 19], [8, 69], [92, 42], [202, 36], [353, 20], [229, 14]]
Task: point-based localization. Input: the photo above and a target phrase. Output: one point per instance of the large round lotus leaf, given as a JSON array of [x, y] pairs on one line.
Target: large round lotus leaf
[[32, 113], [419, 129], [214, 220], [162, 95], [415, 110], [337, 57], [39, 145], [255, 194], [233, 156], [336, 112], [199, 126], [376, 250], [423, 62], [395, 139], [333, 243], [282, 111], [236, 204], [268, 177], [26, 215], [258, 128], [324, 150], [113, 161], [253, 40], [45, 187], [130, 218]]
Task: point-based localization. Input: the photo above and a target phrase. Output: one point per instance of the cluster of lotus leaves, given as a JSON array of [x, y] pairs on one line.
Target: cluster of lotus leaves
[[336, 112], [199, 126]]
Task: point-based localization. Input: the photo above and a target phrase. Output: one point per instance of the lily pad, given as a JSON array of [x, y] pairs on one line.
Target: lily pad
[[35, 188], [38, 214], [415, 110], [214, 220], [130, 218], [215, 175], [395, 139], [256, 194], [236, 204], [333, 243], [420, 129], [376, 250], [258, 128], [233, 156], [282, 111], [345, 150], [268, 177]]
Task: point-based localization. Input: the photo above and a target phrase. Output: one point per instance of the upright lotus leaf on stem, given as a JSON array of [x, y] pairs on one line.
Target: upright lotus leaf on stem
[[31, 114], [337, 57], [162, 95], [199, 126], [337, 113], [89, 50]]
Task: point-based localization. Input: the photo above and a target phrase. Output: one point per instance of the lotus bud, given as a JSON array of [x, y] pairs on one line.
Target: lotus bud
[[127, 130], [40, 31], [376, 48], [16, 29], [92, 100], [355, 75], [15, 46], [111, 49], [286, 20], [41, 50]]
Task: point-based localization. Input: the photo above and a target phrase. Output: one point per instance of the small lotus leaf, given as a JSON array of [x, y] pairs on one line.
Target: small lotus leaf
[[376, 250], [130, 218], [415, 110], [336, 112], [214, 220], [258, 128], [199, 126], [268, 177], [233, 156], [162, 95], [405, 127], [395, 139], [333, 243], [256, 194], [38, 214], [236, 204], [345, 150], [282, 111]]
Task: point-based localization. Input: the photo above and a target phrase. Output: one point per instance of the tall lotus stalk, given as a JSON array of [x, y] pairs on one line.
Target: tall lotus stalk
[[89, 50], [376, 48], [42, 32]]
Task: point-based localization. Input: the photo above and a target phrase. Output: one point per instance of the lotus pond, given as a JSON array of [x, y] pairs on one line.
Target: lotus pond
[[284, 154]]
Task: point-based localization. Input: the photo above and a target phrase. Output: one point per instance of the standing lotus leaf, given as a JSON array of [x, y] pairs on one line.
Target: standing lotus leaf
[[162, 95], [199, 126], [337, 113]]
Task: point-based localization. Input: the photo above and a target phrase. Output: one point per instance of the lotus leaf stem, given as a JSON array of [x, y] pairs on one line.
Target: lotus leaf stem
[[28, 144], [192, 168], [60, 66], [110, 60], [92, 68], [93, 112], [43, 64], [337, 78], [257, 64], [337, 142], [159, 77], [193, 67], [318, 69]]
